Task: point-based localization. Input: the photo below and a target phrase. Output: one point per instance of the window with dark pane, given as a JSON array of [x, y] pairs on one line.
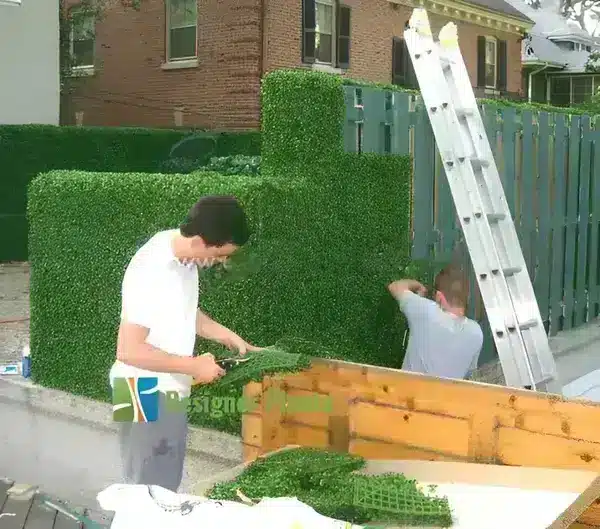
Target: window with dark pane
[[324, 30], [82, 40], [582, 88], [183, 21], [560, 90]]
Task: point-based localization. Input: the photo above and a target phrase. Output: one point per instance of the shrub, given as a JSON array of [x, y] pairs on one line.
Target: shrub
[[27, 150], [234, 165], [332, 229]]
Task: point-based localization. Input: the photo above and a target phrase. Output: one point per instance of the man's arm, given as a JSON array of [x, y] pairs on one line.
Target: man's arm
[[397, 288], [133, 350], [209, 329]]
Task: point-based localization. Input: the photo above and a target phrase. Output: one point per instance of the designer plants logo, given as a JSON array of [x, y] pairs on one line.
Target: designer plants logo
[[135, 399]]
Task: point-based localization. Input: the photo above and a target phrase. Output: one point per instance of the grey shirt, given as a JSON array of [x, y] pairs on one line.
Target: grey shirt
[[440, 344]]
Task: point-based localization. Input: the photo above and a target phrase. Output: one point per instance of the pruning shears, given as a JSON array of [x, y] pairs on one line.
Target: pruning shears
[[226, 363]]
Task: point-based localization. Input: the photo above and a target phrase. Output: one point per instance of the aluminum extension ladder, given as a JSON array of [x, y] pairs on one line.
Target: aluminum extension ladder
[[485, 218]]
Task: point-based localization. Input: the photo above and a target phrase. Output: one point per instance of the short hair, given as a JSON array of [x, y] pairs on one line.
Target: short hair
[[219, 220], [453, 283]]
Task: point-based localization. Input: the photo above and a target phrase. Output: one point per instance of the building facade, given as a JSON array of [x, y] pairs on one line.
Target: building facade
[[29, 62], [199, 62]]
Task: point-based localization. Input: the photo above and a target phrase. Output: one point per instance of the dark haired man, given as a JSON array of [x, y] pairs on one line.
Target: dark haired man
[[442, 342], [159, 323]]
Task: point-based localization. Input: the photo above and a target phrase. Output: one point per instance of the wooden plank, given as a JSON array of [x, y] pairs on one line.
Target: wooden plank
[[523, 448], [463, 399], [17, 506], [400, 124], [571, 222], [273, 435], [250, 453], [416, 429], [592, 514], [63, 521], [318, 418], [339, 422], [583, 224], [252, 429], [40, 516], [558, 222], [593, 287], [374, 112], [352, 116], [300, 434], [543, 257], [508, 175], [527, 225], [446, 214], [5, 484], [381, 450], [423, 180]]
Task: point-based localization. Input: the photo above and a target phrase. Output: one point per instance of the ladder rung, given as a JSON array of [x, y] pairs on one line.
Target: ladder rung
[[528, 324], [464, 112], [511, 270], [481, 162], [495, 217]]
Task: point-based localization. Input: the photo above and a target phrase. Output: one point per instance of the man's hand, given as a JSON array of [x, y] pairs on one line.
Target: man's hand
[[397, 288], [205, 370], [234, 342]]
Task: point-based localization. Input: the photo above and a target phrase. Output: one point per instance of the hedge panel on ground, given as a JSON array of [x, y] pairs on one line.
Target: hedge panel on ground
[[28, 150], [332, 231]]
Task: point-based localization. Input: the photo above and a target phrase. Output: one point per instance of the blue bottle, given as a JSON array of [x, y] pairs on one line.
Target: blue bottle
[[26, 362]]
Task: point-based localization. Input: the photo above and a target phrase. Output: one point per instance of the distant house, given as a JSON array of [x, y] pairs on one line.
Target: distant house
[[554, 56], [186, 62], [29, 62]]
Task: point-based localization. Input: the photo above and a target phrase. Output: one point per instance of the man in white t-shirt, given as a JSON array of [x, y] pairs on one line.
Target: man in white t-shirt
[[160, 320]]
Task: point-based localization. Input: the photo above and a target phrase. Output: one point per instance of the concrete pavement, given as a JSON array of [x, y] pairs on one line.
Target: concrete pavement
[[67, 445]]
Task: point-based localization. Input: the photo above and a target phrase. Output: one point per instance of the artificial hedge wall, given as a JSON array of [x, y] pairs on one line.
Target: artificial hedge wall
[[28, 150], [332, 229]]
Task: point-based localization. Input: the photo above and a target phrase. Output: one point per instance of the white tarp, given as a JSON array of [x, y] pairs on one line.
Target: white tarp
[[153, 507]]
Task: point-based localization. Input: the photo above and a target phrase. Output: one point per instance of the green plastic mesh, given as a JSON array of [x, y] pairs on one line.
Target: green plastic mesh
[[397, 500]]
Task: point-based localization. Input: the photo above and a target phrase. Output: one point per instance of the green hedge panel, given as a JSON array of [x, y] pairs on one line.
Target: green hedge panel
[[28, 150], [332, 229]]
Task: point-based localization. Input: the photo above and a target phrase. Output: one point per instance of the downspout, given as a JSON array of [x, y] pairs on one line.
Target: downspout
[[261, 57], [530, 84]]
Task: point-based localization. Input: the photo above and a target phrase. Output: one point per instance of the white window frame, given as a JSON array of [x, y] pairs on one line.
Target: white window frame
[[169, 28], [83, 67], [334, 33], [494, 41]]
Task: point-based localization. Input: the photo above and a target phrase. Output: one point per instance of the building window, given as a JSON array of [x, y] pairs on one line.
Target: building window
[[182, 25], [326, 33], [83, 37], [491, 52], [567, 90], [403, 73], [491, 63]]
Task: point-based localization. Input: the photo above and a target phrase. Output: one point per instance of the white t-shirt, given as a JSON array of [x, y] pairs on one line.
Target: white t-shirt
[[161, 294]]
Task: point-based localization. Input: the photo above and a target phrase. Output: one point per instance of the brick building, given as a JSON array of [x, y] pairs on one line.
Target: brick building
[[199, 62]]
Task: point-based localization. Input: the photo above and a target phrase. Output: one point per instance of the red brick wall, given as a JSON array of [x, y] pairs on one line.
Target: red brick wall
[[130, 88], [374, 23]]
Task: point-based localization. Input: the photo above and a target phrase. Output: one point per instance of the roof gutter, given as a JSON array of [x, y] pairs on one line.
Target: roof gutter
[[530, 84]]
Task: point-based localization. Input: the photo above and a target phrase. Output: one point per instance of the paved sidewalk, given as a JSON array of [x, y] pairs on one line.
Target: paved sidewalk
[[67, 445]]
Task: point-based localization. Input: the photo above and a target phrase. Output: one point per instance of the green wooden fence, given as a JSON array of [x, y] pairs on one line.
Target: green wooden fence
[[550, 168]]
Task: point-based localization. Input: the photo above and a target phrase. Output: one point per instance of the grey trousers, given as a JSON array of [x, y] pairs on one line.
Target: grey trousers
[[153, 453]]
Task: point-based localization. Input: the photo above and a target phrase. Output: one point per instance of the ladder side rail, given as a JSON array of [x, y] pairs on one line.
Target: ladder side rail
[[519, 283], [477, 231]]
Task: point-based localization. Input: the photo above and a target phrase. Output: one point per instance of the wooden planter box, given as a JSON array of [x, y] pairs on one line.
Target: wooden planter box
[[381, 413]]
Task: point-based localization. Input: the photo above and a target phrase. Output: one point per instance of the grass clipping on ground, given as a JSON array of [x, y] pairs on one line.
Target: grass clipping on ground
[[327, 481]]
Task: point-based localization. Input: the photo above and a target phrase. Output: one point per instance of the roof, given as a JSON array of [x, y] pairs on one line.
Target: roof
[[539, 47], [501, 6]]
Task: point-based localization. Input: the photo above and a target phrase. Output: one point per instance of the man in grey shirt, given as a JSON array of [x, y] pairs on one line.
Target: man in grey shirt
[[442, 342]]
